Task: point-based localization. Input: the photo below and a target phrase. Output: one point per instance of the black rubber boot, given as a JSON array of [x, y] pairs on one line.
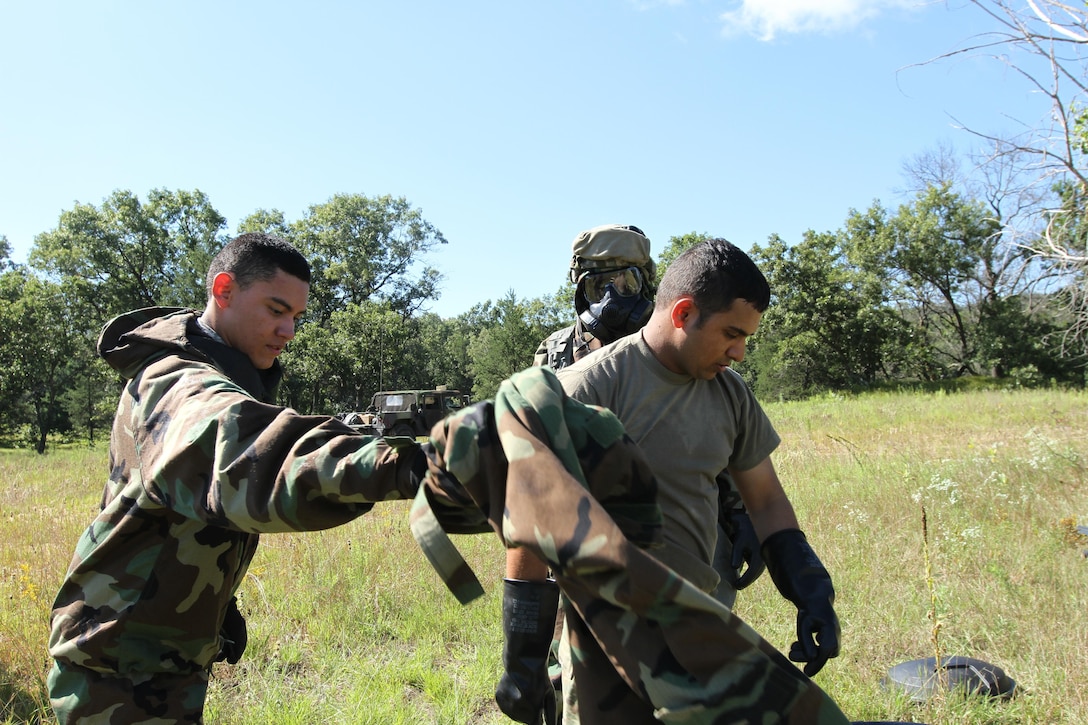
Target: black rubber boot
[[525, 692]]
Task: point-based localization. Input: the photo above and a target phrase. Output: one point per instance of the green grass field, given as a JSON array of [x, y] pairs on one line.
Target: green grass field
[[352, 626]]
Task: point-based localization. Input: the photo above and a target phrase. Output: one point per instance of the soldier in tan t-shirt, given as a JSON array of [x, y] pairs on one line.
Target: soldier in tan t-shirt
[[672, 388]]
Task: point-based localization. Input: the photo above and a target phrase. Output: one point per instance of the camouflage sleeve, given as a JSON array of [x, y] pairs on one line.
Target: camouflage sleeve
[[211, 452]]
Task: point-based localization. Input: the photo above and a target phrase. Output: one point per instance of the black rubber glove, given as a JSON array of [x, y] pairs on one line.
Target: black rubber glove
[[525, 692], [802, 579], [737, 525]]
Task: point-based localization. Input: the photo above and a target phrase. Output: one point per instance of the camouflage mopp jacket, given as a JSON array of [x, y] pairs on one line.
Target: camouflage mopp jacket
[[560, 478], [200, 465]]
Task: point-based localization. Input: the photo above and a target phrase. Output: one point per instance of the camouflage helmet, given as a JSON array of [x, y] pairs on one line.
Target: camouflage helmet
[[611, 246]]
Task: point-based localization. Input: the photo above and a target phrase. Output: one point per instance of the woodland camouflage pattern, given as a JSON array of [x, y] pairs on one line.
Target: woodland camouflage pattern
[[561, 478], [199, 468]]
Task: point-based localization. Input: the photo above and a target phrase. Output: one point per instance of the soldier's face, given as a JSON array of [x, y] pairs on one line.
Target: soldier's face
[[711, 343], [260, 319]]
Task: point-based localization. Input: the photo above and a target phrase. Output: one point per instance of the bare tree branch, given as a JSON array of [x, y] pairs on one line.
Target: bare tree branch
[[1045, 44]]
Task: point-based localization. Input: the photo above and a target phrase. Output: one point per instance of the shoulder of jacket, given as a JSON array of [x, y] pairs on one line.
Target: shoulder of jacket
[[556, 350], [560, 336]]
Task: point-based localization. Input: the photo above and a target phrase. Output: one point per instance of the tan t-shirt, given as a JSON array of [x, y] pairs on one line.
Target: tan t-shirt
[[690, 430]]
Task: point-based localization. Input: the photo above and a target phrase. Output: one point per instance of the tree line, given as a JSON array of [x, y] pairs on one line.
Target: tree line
[[930, 291]]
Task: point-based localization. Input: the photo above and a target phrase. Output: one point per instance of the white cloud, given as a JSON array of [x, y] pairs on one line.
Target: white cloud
[[765, 19]]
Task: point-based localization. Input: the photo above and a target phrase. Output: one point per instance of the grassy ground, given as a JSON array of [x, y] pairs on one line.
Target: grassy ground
[[351, 625]]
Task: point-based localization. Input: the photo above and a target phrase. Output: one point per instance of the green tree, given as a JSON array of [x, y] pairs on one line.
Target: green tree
[[937, 256], [827, 327], [5, 254], [369, 280], [445, 344], [91, 399], [129, 254], [364, 249], [361, 349], [509, 332], [1067, 251], [37, 351], [266, 221], [14, 411], [1008, 311], [677, 246]]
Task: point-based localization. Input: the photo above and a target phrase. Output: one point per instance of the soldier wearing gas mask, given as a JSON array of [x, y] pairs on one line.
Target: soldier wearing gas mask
[[615, 276]]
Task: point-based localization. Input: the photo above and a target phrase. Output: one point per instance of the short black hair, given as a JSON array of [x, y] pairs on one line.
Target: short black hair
[[257, 257], [714, 273]]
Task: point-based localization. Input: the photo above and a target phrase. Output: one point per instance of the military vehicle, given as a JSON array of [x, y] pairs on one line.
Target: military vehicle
[[409, 413]]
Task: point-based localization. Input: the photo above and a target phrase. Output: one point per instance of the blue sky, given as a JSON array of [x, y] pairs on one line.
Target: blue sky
[[511, 124]]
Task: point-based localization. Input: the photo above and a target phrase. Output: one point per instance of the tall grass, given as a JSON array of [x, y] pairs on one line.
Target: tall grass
[[351, 625], [1001, 477]]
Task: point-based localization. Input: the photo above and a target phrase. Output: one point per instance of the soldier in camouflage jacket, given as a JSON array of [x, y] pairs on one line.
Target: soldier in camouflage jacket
[[201, 464]]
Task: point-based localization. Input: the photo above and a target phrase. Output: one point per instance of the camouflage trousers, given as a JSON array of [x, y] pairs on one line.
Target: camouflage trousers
[[80, 696], [562, 479]]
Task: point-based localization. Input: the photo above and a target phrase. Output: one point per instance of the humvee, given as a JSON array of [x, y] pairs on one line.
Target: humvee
[[409, 413]]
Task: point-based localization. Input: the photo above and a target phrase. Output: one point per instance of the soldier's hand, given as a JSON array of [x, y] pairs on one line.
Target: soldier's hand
[[427, 462], [818, 636], [534, 705], [802, 579], [737, 525]]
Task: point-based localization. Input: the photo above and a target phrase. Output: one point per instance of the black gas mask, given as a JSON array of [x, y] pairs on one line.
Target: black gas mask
[[613, 303]]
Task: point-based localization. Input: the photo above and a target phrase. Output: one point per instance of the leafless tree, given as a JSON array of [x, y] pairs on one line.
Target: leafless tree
[[1045, 42]]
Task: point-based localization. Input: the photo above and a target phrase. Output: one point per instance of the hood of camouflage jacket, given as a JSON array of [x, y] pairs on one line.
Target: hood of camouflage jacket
[[130, 341]]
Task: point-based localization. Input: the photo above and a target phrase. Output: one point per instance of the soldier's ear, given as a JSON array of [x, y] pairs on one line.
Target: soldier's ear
[[223, 289], [682, 312]]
